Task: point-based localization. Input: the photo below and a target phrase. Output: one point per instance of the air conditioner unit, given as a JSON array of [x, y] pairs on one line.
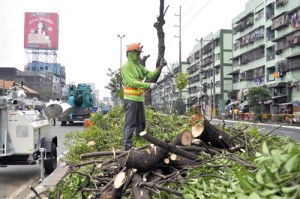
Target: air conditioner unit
[[278, 52]]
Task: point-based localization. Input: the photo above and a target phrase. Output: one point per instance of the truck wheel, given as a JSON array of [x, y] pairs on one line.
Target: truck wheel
[[63, 123], [51, 161]]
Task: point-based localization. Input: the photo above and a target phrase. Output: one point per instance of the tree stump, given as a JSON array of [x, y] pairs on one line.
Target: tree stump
[[214, 136]]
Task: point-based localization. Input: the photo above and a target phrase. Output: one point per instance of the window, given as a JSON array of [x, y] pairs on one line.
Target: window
[[217, 56]]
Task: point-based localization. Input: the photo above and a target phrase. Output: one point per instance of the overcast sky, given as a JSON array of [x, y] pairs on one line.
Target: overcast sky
[[88, 29]]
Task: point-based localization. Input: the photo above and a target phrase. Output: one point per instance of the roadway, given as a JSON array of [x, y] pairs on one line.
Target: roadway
[[16, 180]]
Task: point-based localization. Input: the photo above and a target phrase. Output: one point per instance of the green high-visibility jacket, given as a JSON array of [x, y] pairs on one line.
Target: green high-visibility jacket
[[133, 75]]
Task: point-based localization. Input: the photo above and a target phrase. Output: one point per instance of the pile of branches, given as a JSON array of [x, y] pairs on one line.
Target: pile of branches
[[177, 157], [150, 167], [142, 171]]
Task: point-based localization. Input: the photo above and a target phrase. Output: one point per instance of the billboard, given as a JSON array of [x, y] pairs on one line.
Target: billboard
[[41, 30]]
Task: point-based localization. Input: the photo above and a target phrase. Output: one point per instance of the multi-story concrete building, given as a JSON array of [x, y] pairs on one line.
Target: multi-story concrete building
[[209, 65], [266, 38], [40, 82], [164, 96]]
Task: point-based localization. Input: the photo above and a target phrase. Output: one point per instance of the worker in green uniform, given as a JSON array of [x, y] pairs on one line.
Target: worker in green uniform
[[133, 75]]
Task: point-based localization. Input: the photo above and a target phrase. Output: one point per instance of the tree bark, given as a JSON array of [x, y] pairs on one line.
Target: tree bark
[[168, 146], [161, 47], [214, 136], [184, 138], [118, 185], [137, 191], [144, 160]]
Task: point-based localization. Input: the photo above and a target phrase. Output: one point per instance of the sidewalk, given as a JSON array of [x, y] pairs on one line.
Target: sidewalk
[[50, 182]]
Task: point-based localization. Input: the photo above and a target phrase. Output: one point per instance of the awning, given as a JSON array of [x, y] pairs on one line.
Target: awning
[[268, 102], [233, 103], [284, 104], [277, 84], [234, 72], [279, 96], [245, 103], [293, 55]]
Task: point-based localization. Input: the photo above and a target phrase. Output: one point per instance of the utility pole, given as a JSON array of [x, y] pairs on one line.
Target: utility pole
[[213, 81], [214, 78], [200, 59], [121, 37], [179, 26]]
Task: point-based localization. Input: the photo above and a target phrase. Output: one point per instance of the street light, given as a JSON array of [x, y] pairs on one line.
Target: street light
[[121, 37]]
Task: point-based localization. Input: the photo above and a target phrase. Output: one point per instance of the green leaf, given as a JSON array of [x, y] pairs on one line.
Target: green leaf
[[244, 183], [289, 189], [254, 195], [259, 177], [276, 157], [268, 192], [265, 149], [292, 163], [189, 196], [270, 174], [204, 185]]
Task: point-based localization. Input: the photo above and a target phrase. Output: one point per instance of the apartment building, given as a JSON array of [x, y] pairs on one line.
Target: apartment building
[[166, 93], [209, 67], [266, 51]]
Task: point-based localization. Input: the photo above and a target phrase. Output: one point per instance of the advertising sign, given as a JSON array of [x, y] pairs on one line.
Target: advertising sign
[[41, 30]]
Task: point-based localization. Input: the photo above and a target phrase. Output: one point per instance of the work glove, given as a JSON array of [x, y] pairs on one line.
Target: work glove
[[153, 85], [163, 62]]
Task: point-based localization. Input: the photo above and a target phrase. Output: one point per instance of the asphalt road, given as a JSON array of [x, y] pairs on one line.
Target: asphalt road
[[16, 180], [289, 131]]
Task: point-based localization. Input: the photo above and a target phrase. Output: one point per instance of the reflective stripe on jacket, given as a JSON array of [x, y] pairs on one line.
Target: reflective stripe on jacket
[[133, 91]]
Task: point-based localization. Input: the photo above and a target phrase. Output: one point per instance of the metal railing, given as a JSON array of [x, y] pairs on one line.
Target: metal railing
[[291, 119]]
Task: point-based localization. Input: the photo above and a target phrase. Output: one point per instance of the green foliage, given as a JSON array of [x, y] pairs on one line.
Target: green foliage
[[256, 98], [114, 83], [179, 107], [181, 81]]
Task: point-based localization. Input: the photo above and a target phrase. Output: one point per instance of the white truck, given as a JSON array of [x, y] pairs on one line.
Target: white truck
[[24, 138]]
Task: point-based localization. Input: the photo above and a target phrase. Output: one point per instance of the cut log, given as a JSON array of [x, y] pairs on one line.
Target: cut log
[[197, 130], [178, 161], [197, 122], [168, 146], [137, 191], [214, 136], [144, 160], [184, 138], [106, 195], [118, 185]]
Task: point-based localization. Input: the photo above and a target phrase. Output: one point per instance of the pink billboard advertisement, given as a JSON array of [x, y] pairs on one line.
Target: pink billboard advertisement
[[41, 30]]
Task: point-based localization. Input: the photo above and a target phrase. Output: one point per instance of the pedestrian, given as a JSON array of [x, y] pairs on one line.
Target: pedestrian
[[54, 122], [133, 74]]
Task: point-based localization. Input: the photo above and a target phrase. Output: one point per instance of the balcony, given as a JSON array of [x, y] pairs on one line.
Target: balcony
[[280, 22]]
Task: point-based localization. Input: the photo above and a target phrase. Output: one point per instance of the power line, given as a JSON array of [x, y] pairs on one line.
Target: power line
[[197, 13]]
